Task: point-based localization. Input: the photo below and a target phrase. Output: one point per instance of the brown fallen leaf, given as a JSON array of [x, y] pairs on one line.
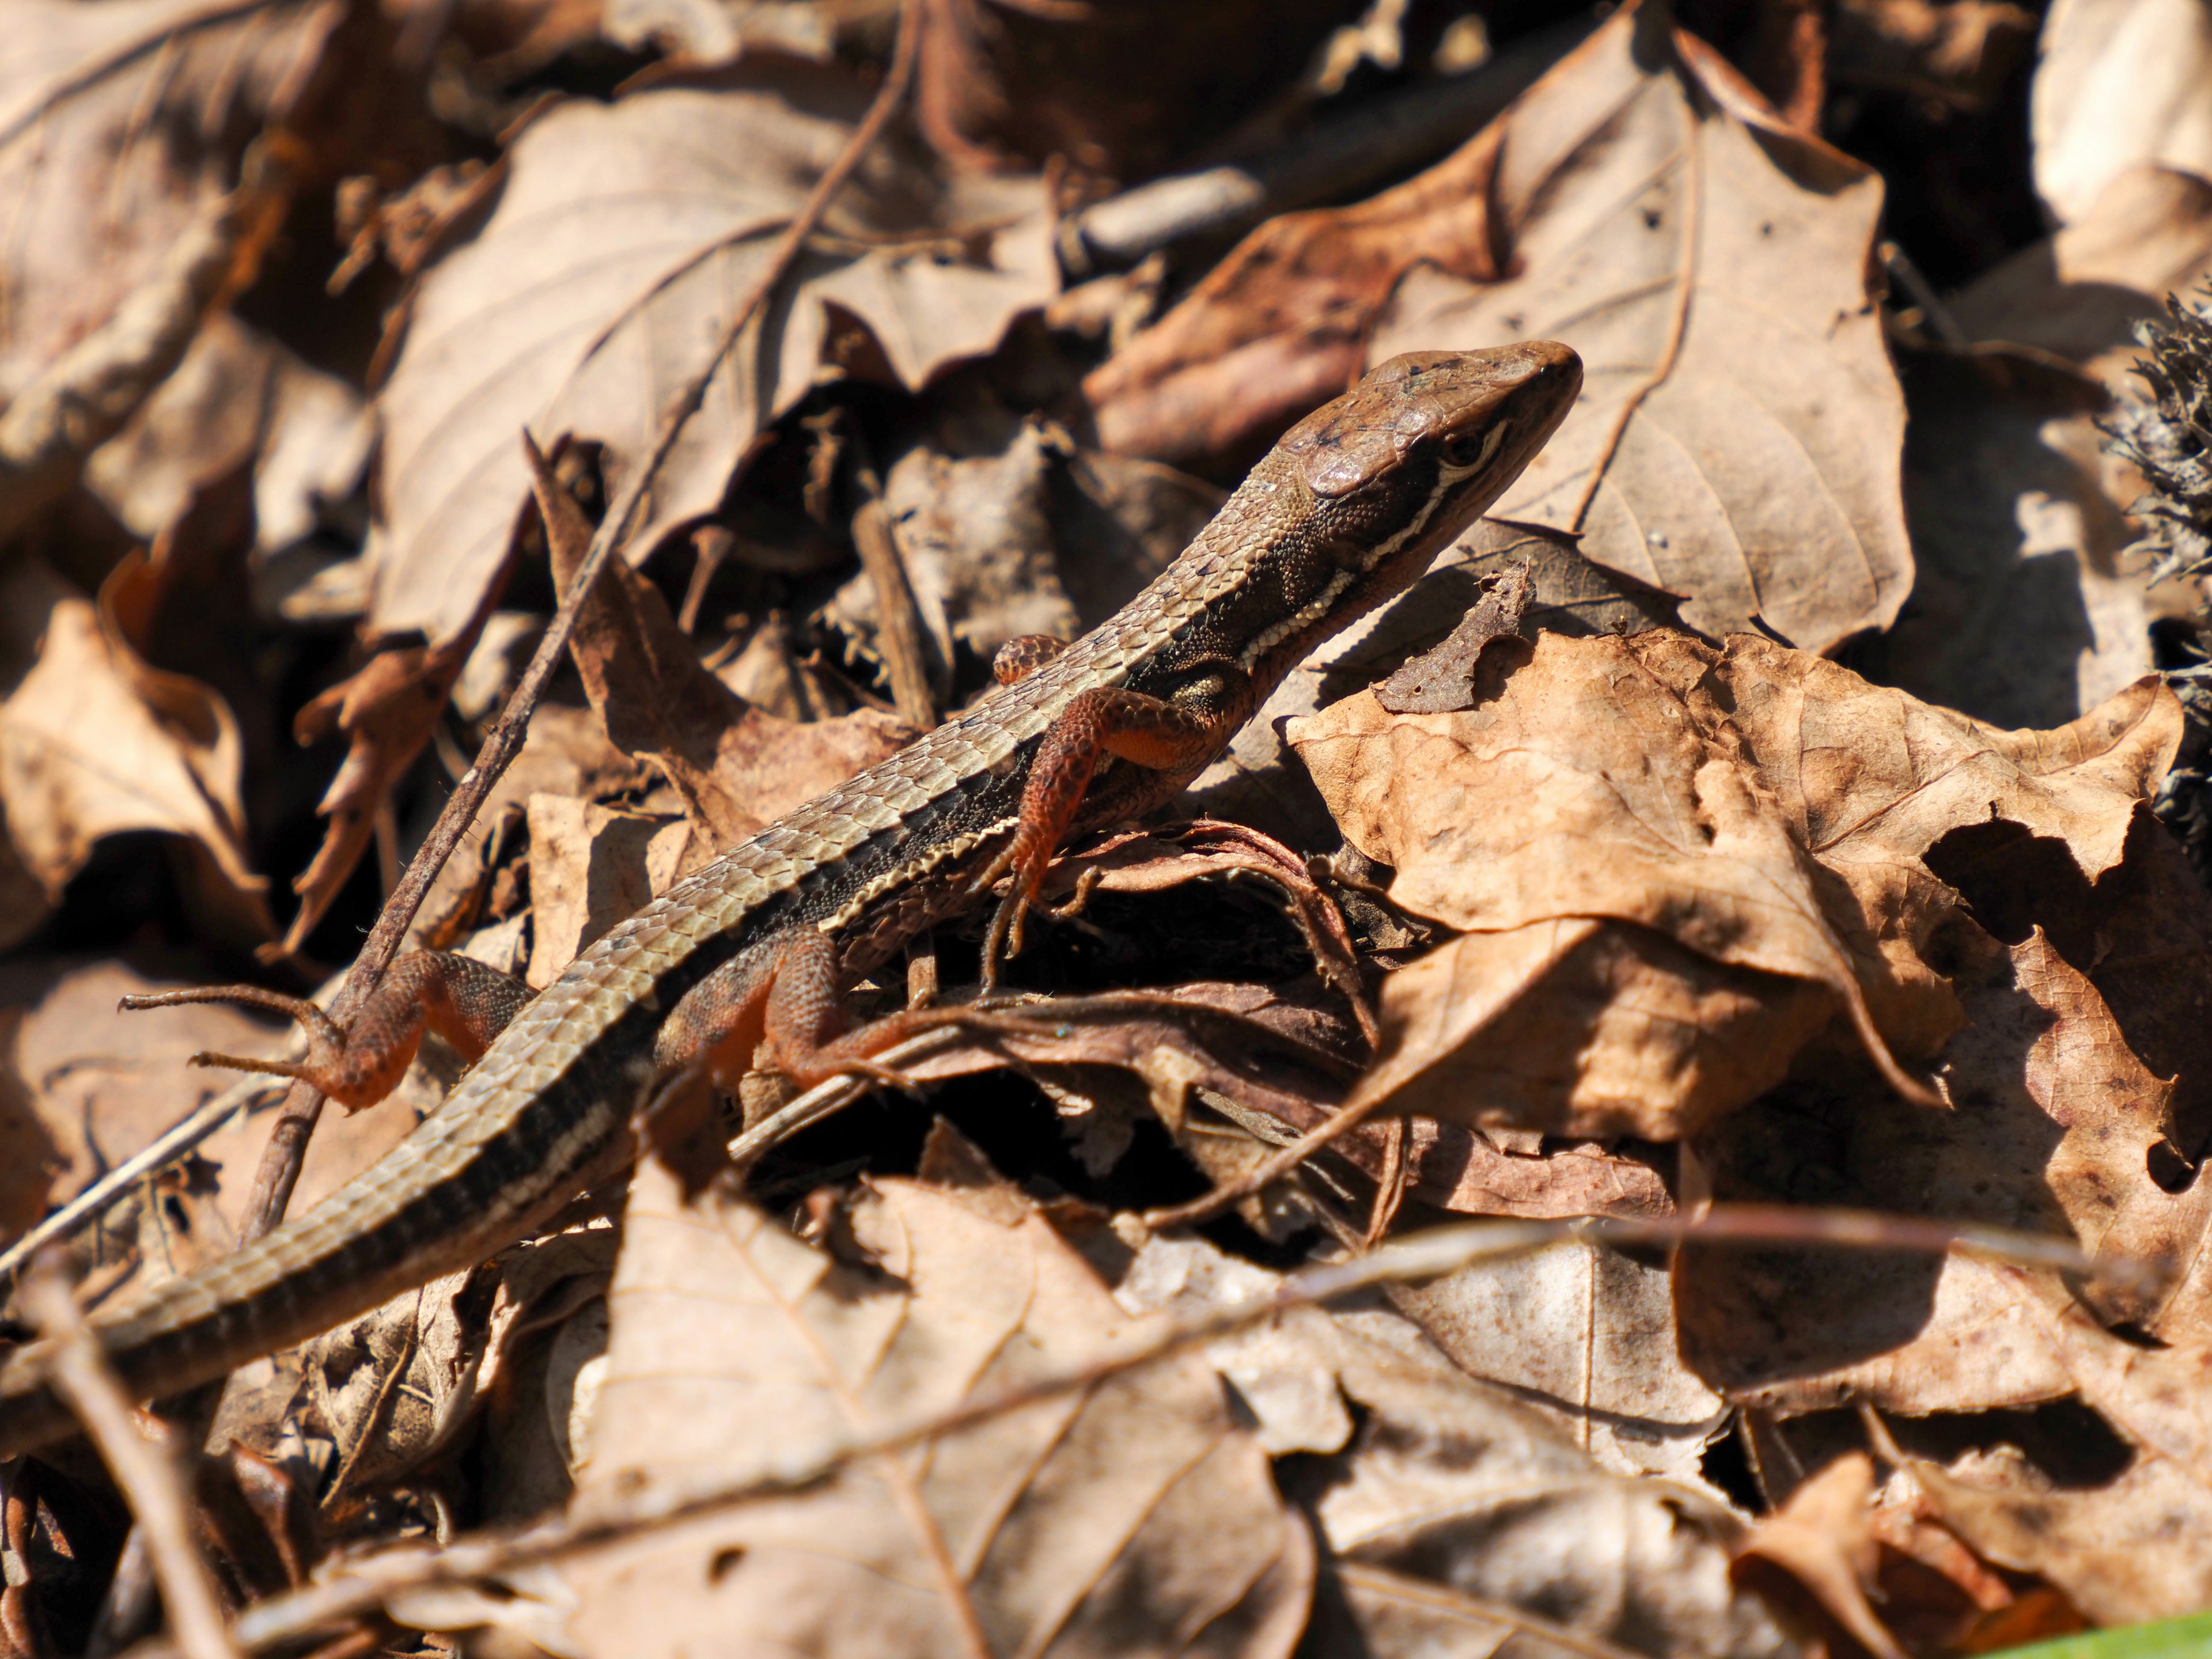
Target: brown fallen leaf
[[1259, 781], [1277, 328], [1044, 1530], [2119, 83], [1737, 441], [621, 236], [1822, 1543], [1443, 679], [737, 767], [93, 742], [386, 712], [1753, 805]]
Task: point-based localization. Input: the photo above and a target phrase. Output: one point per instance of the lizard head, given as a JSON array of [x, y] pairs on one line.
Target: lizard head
[[1365, 491], [1454, 427]]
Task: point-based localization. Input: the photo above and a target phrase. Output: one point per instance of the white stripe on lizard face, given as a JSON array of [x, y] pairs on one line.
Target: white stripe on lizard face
[[1320, 605]]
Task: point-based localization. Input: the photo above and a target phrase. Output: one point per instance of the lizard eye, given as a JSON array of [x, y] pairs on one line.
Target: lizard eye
[[1470, 449]]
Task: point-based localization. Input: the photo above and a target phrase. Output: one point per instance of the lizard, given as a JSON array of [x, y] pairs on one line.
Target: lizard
[[744, 963]]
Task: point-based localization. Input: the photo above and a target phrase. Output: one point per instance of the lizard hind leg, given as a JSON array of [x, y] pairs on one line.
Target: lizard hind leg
[[463, 1000]]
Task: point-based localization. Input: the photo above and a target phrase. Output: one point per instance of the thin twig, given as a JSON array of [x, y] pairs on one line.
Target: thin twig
[[187, 1133], [288, 1139], [78, 1374], [369, 1583], [1266, 1174]]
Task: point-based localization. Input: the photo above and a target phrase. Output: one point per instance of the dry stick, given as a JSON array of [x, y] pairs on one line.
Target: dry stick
[[898, 618], [368, 1584], [288, 1137], [78, 1373]]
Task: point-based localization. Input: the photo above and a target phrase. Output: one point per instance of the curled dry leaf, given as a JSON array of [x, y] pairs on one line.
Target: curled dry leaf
[[737, 767], [2056, 1128], [1645, 810], [1277, 328], [93, 742], [2120, 83], [1738, 434], [623, 237], [1822, 1540], [736, 1347]]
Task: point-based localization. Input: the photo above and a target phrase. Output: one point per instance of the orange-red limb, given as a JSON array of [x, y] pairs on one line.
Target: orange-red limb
[[464, 1001], [1146, 732]]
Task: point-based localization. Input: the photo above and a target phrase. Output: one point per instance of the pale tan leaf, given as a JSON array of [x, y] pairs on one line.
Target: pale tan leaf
[[117, 124], [94, 743], [1088, 1523], [2120, 83], [1823, 1538], [2079, 293], [1738, 434], [1586, 1335], [623, 237]]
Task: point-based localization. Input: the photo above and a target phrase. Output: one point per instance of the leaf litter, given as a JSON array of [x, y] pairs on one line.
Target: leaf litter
[[1764, 807]]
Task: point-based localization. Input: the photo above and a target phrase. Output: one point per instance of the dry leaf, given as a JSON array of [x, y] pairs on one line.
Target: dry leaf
[[592, 866], [1088, 1521], [1446, 1483], [117, 124], [737, 768], [2021, 615], [1258, 781], [386, 712], [2079, 293], [1823, 1539], [1738, 434], [1586, 1335], [622, 236], [2120, 83], [2056, 1128], [1756, 806], [238, 398], [1277, 328], [93, 742]]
